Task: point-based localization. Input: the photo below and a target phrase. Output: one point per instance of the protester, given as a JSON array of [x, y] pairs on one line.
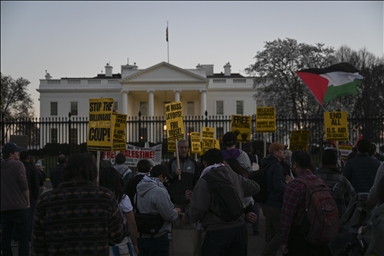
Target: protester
[[143, 168], [14, 200], [111, 179], [340, 188], [78, 217], [152, 198], [122, 168], [40, 161], [229, 140], [222, 237], [375, 196], [292, 240], [361, 170], [34, 182], [189, 174], [56, 176], [275, 183]]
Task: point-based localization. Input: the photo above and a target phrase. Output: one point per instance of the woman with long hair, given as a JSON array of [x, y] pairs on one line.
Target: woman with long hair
[[111, 179]]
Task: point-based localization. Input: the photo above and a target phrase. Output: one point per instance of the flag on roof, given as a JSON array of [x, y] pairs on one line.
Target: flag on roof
[[166, 34], [329, 83]]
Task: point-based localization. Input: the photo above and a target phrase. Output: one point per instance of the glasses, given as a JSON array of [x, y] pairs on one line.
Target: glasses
[[183, 147]]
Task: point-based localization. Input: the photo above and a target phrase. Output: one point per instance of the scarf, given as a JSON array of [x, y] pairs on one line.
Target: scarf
[[154, 180]]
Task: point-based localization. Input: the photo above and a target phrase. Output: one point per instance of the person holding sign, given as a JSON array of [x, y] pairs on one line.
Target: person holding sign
[[189, 176]]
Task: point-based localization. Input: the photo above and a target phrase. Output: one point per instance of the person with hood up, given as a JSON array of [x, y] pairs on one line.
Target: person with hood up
[[153, 198]]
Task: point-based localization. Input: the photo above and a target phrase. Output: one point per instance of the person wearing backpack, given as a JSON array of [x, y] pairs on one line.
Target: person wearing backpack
[[217, 201], [122, 169], [143, 168], [230, 151], [298, 206], [275, 183], [152, 198]]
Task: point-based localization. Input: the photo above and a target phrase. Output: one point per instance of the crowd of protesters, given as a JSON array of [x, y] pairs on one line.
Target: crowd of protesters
[[99, 210]]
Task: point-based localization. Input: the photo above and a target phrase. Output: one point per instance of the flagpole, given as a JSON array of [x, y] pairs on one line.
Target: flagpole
[[167, 43]]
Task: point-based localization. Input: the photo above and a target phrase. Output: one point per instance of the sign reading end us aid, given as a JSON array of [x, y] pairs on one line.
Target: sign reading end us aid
[[336, 126], [174, 120], [100, 125]]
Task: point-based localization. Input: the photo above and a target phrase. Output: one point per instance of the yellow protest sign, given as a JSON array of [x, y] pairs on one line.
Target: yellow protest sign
[[299, 140], [174, 120], [171, 145], [241, 126], [345, 149], [336, 126], [119, 123], [217, 144], [100, 125], [207, 138], [265, 119], [195, 141]]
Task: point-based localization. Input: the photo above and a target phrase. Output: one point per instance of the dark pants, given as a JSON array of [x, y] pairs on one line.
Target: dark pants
[[230, 241], [153, 246], [298, 246], [272, 230], [18, 219], [255, 226]]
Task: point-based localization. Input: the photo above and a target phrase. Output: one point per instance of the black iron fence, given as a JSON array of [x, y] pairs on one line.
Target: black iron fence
[[68, 135]]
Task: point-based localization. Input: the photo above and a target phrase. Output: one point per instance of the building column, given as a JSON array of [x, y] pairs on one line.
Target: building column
[[203, 101], [151, 103], [124, 101], [177, 95]]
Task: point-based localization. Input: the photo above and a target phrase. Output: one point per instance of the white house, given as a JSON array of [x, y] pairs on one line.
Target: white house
[[147, 90]]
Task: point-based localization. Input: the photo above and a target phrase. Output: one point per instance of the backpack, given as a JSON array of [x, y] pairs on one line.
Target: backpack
[[226, 198], [260, 178], [147, 223], [320, 223], [373, 233]]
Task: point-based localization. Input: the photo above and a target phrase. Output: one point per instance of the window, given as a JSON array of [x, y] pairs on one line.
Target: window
[[219, 107], [53, 108], [74, 108], [190, 108], [143, 108], [73, 135], [53, 135], [115, 106], [239, 107], [143, 134]]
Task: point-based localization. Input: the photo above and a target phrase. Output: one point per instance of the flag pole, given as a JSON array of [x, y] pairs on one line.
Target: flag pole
[[167, 43]]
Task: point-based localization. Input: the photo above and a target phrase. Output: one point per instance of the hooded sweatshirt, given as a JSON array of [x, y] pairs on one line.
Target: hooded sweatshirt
[[202, 203], [153, 198], [274, 174]]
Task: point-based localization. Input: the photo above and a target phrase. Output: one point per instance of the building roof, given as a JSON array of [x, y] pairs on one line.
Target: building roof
[[99, 76], [221, 75]]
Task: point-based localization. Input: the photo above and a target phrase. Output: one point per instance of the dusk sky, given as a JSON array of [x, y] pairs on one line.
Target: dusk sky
[[77, 39]]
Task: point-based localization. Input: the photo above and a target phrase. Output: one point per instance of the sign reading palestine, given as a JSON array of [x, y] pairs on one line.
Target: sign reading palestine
[[265, 119], [241, 126], [100, 125], [336, 126]]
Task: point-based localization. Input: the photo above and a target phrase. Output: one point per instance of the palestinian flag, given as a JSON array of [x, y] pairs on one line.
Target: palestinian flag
[[329, 83]]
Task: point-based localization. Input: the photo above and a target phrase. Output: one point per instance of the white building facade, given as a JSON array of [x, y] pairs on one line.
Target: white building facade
[[147, 90]]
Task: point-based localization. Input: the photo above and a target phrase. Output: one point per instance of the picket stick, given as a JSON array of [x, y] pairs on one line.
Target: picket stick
[[178, 160], [98, 167], [265, 144]]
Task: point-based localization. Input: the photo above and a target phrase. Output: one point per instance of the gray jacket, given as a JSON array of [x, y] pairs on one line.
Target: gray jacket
[[201, 201], [154, 199]]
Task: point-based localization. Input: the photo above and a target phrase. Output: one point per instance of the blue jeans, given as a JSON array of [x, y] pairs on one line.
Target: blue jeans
[[153, 246], [229, 241], [19, 219]]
